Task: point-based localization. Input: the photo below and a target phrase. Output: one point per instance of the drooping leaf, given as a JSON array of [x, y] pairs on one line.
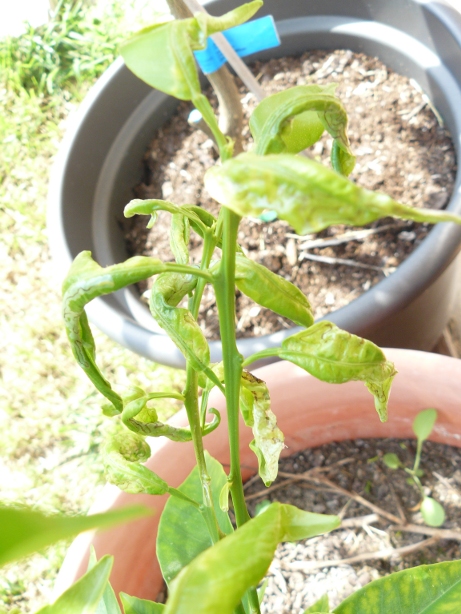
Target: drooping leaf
[[428, 589], [268, 438], [108, 603], [133, 605], [336, 356], [24, 531], [305, 193], [84, 596], [256, 411], [217, 578], [432, 512], [183, 532], [272, 291], [424, 423], [292, 120], [85, 281]]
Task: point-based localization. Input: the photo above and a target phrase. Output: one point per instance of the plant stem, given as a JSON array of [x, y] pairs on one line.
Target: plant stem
[[223, 83], [225, 298], [269, 352], [419, 447]]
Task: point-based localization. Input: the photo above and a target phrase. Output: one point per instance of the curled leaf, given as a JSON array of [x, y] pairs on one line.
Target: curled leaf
[[336, 356], [179, 238], [292, 120], [306, 194], [268, 438], [85, 281]]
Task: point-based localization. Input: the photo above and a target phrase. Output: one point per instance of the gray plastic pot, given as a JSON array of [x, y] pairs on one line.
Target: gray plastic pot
[[100, 161]]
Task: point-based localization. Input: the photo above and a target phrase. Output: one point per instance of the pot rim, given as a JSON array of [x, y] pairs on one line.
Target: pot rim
[[374, 308]]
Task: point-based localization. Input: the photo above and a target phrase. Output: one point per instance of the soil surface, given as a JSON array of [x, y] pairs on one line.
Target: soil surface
[[302, 572], [401, 149]]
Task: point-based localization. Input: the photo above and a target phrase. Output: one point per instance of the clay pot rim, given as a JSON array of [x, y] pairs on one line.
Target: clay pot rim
[[421, 375]]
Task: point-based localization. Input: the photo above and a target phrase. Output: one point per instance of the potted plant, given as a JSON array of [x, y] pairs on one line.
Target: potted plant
[[92, 184], [333, 413], [210, 567]]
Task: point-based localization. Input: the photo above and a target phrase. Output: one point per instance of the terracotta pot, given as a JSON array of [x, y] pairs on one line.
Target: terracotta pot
[[100, 162], [310, 413]]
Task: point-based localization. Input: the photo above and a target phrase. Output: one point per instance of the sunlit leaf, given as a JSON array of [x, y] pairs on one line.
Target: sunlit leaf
[[217, 579], [336, 356], [424, 423], [84, 596], [432, 512], [305, 193], [322, 605], [183, 533], [162, 54], [294, 119], [133, 605], [429, 589], [24, 531], [123, 453], [108, 603]]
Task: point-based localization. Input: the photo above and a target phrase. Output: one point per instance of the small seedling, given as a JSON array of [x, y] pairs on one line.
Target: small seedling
[[432, 512]]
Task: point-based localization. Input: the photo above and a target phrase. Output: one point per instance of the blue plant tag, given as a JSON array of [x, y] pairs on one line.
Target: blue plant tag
[[247, 38]]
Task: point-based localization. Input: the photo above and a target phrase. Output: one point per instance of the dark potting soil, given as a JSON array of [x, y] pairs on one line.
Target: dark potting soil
[[401, 149], [302, 572]]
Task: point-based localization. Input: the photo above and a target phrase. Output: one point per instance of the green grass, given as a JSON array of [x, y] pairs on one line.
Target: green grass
[[51, 424]]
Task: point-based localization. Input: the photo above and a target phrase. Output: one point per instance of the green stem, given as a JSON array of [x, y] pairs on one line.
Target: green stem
[[262, 354], [419, 447], [209, 244], [174, 267], [225, 298], [192, 409]]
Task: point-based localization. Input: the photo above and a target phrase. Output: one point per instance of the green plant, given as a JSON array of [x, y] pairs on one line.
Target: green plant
[[431, 510], [217, 571]]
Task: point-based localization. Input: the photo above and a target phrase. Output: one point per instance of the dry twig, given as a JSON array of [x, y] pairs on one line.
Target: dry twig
[[387, 553], [359, 499], [425, 530]]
